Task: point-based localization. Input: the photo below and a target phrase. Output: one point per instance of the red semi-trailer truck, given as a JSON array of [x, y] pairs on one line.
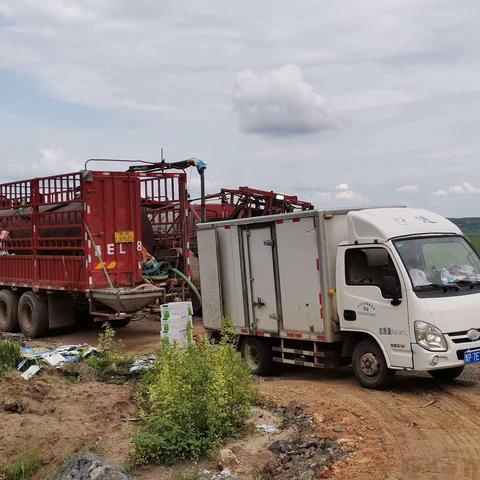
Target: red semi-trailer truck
[[75, 241]]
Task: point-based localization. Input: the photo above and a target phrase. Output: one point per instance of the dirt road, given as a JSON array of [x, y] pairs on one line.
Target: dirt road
[[419, 429]]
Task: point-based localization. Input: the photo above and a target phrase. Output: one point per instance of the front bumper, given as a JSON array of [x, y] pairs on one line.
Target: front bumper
[[453, 357]]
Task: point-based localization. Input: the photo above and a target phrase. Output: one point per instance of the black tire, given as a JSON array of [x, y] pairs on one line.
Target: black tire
[[370, 366], [257, 353], [446, 374], [33, 315], [8, 311]]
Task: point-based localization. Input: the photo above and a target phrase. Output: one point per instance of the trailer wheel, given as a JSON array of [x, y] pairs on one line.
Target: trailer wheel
[[258, 356], [370, 366], [446, 374], [33, 315], [8, 311]]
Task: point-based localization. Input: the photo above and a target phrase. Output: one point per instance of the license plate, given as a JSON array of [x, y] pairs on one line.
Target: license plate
[[473, 356], [124, 237]]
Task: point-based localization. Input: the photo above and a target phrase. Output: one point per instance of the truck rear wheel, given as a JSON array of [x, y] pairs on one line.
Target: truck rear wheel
[[33, 315], [370, 366], [446, 374], [258, 356], [8, 311]]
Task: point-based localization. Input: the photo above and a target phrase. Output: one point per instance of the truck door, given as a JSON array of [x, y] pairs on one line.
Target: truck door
[[260, 278], [365, 276]]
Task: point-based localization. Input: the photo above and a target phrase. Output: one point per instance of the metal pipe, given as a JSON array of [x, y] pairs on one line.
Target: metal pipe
[[203, 208], [114, 160]]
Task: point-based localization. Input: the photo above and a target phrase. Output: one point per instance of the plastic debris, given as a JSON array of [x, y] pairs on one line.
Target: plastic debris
[[207, 474], [267, 428], [30, 372], [225, 473], [54, 357], [142, 364]]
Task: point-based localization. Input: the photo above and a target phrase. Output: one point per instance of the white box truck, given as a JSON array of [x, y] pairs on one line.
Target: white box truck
[[383, 289]]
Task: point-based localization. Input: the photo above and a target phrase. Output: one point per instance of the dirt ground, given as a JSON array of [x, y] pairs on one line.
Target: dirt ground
[[419, 429], [50, 417]]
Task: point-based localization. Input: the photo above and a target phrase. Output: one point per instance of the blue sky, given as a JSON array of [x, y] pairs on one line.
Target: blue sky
[[342, 103]]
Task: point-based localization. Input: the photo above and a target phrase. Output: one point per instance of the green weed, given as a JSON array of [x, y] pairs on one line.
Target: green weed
[[109, 364], [22, 468], [195, 397], [10, 355]]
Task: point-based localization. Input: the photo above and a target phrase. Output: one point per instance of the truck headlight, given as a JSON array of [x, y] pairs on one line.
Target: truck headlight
[[430, 337]]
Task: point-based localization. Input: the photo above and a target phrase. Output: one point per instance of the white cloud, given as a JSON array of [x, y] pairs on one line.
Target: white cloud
[[463, 189], [148, 74], [279, 102], [408, 189], [340, 192]]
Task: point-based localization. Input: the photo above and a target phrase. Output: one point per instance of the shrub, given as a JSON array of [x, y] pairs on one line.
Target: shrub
[[10, 355], [193, 398], [22, 468], [109, 363]]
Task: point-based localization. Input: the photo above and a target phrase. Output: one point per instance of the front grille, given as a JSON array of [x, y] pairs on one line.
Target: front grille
[[462, 333], [461, 337], [462, 340]]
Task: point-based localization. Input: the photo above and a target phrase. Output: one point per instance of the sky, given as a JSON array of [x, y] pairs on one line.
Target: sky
[[340, 102]]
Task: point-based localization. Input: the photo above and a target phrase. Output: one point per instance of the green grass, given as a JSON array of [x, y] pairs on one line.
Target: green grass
[[9, 355], [22, 468]]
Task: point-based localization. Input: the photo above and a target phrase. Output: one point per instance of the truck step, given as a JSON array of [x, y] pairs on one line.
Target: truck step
[[299, 362], [309, 358]]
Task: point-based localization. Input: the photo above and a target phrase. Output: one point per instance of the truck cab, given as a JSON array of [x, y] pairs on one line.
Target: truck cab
[[408, 291]]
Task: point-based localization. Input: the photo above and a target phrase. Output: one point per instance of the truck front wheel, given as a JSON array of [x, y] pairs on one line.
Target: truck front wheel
[[446, 374], [258, 356], [8, 311], [370, 366], [33, 315]]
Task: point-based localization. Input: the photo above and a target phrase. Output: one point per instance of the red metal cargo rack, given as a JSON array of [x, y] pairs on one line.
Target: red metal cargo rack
[[73, 240], [166, 205], [50, 227]]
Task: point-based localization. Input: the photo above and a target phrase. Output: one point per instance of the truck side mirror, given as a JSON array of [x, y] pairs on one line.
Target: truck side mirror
[[391, 289]]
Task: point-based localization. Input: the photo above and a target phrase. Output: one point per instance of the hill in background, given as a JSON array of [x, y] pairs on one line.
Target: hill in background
[[470, 226]]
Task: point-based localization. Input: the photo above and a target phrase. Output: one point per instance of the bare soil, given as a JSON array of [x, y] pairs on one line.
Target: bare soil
[[419, 429], [50, 417]]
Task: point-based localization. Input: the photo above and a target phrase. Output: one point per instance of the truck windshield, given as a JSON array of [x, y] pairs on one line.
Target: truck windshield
[[439, 262]]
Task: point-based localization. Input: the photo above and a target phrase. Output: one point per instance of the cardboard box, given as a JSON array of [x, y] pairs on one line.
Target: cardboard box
[[177, 329], [176, 309]]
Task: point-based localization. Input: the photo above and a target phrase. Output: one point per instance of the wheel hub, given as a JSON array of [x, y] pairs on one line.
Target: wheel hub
[[369, 364]]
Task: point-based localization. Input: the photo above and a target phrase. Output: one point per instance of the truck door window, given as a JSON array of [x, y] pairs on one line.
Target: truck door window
[[370, 266]]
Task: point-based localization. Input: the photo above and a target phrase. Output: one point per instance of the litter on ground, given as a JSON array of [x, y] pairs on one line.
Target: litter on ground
[[142, 364], [35, 357], [268, 428], [30, 372]]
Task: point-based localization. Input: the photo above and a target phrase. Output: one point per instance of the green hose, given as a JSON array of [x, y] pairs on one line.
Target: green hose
[[161, 277], [188, 281], [157, 278]]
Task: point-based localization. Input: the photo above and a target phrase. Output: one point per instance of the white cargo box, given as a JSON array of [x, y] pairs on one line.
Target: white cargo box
[[270, 274]]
